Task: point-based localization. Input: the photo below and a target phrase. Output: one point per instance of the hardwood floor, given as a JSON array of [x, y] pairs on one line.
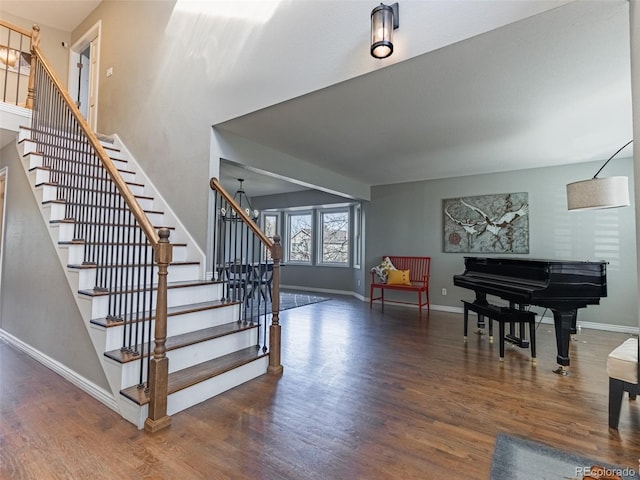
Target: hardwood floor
[[364, 395]]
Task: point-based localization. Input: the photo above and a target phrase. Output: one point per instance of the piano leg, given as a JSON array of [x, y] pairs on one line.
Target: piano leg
[[481, 299], [565, 322]]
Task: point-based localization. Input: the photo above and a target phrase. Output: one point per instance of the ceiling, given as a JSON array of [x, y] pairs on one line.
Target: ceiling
[[549, 90], [64, 15]]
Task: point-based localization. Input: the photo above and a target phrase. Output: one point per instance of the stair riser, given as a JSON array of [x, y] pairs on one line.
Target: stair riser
[[25, 137], [175, 297], [55, 193], [58, 212], [46, 193], [54, 211], [194, 354], [176, 273], [188, 356], [25, 145], [132, 254], [137, 189], [34, 160], [188, 397], [38, 176], [183, 399], [179, 324], [116, 154]]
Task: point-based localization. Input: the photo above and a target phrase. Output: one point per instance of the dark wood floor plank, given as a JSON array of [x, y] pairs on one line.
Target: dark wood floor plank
[[365, 394]]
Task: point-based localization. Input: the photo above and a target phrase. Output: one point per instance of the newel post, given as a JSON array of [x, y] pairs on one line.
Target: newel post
[[275, 333], [31, 86], [159, 365]]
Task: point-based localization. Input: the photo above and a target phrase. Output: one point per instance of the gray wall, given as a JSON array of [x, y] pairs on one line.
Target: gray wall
[[37, 305], [406, 219]]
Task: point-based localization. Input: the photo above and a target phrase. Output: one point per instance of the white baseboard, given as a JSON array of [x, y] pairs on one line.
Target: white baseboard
[[549, 320], [99, 393]]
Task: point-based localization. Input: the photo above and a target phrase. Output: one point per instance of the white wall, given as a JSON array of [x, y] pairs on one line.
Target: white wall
[[178, 70]]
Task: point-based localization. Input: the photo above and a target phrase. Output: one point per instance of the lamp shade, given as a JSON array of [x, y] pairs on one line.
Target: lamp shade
[[609, 192], [383, 21]]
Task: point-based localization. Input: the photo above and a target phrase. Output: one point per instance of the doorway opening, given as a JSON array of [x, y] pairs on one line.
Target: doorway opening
[[84, 68]]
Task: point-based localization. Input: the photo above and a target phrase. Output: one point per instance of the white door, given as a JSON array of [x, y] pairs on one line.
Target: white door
[[83, 70], [93, 84], [84, 67]]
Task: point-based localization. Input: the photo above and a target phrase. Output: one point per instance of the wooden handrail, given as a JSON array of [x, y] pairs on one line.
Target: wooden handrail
[[136, 209], [275, 329], [215, 185], [10, 26]]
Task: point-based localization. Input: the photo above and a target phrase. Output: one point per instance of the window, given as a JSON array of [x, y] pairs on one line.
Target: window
[[357, 236], [270, 228], [270, 223], [299, 237], [334, 236]]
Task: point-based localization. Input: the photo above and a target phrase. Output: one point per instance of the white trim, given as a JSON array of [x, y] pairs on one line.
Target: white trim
[[94, 33], [97, 392], [3, 172], [546, 320], [446, 308], [12, 117]]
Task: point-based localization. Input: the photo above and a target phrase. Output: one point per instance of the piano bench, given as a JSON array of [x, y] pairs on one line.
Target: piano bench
[[623, 368], [504, 315]]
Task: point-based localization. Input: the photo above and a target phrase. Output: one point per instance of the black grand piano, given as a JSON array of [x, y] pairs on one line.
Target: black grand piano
[[562, 286]]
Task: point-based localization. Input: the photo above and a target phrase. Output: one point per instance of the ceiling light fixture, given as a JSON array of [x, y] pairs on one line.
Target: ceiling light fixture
[[384, 20], [241, 198], [595, 193]]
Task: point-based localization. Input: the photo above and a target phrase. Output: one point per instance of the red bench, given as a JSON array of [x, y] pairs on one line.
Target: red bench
[[417, 281]]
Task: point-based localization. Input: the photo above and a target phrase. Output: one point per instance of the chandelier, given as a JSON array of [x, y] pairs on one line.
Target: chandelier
[[240, 197]]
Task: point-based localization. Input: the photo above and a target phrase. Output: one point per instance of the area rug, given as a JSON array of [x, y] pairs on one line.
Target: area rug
[[289, 300], [519, 459]]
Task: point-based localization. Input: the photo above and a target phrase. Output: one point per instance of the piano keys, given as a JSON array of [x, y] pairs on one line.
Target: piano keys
[[563, 286]]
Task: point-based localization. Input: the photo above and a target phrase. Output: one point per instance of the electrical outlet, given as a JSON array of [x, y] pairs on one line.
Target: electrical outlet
[[444, 291]]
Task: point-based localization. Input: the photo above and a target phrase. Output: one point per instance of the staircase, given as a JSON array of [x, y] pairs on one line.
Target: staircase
[[211, 345]]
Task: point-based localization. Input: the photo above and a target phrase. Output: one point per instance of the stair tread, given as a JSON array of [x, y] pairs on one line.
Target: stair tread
[[183, 340], [50, 169], [64, 202], [170, 285], [80, 241], [55, 184], [93, 265], [171, 312], [198, 373], [72, 221]]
